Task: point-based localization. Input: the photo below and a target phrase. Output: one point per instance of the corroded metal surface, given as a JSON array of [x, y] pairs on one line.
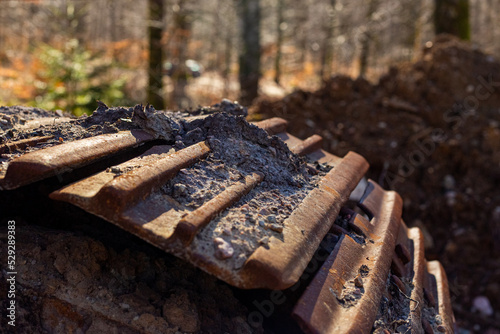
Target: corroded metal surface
[[22, 144], [273, 125], [444, 303], [345, 294], [281, 264], [129, 188], [62, 158], [309, 145], [132, 200], [328, 306], [194, 221]]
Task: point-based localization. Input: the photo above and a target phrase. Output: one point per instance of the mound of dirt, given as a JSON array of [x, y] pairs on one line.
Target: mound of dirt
[[69, 282], [431, 131]]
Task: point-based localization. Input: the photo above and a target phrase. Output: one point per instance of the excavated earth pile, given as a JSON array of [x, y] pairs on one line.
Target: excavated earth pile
[[431, 131], [134, 220]]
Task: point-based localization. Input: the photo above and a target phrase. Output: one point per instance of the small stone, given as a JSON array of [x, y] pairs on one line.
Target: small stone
[[449, 182], [115, 169], [179, 189], [262, 223], [223, 249], [441, 329], [483, 305], [402, 329], [276, 228], [271, 219], [125, 306], [226, 231], [264, 212], [264, 240]]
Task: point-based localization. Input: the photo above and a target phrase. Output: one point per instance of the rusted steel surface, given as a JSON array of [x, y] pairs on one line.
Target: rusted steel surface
[[318, 155], [197, 219], [62, 158], [280, 264], [273, 125], [444, 303], [129, 188], [344, 296], [416, 237], [22, 144], [375, 249], [83, 192], [309, 145], [157, 218]]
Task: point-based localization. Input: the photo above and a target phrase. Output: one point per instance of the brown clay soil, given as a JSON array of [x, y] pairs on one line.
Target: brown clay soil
[[430, 130]]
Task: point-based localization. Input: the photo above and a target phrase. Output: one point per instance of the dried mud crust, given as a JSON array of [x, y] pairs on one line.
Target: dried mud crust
[[416, 133], [394, 314], [353, 289], [102, 121], [68, 282], [238, 149], [12, 117]]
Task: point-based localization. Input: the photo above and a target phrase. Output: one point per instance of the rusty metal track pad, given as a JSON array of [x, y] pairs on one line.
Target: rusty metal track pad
[[346, 292], [38, 165]]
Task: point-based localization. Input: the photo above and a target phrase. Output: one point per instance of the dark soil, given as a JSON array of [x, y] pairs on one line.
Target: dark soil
[[430, 130], [68, 282]]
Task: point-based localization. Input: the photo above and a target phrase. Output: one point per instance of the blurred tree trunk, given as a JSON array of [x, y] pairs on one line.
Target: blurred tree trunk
[[418, 28], [155, 30], [249, 74], [366, 38], [279, 41], [300, 31], [227, 62], [182, 32], [452, 17], [328, 43]]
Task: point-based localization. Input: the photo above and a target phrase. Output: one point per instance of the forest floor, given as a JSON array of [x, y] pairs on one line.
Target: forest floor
[[430, 130]]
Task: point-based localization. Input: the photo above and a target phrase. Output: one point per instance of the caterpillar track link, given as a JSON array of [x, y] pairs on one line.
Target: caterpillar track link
[[374, 263]]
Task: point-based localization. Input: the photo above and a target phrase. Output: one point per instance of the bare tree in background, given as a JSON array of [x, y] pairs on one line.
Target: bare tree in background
[[279, 40], [452, 17], [182, 18], [155, 30], [249, 74], [366, 38], [328, 43]]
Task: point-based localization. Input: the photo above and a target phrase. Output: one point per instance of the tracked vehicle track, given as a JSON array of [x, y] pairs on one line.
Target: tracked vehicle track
[[375, 277]]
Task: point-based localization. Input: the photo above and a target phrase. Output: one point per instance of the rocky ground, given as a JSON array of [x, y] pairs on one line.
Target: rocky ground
[[430, 130]]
